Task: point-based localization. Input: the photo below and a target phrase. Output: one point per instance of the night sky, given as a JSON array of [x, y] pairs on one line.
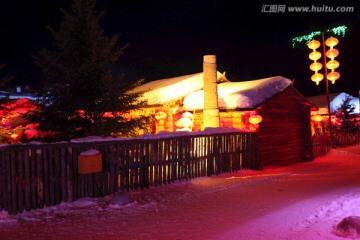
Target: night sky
[[169, 38]]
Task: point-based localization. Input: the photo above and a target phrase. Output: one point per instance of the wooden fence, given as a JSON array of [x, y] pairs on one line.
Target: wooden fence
[[37, 175], [323, 144]]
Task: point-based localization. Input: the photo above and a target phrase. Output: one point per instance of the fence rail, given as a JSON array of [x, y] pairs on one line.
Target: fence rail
[[323, 144], [37, 175]]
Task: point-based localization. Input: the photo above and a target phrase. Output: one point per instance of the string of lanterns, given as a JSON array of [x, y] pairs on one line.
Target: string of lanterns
[[315, 66], [332, 64]]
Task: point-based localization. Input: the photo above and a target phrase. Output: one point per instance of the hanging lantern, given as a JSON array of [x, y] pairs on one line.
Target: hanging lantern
[[317, 77], [316, 66], [331, 42], [255, 119], [315, 55], [332, 64], [332, 53], [317, 118], [333, 76], [314, 44]]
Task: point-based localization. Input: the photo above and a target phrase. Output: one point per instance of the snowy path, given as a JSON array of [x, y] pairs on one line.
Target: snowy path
[[300, 201]]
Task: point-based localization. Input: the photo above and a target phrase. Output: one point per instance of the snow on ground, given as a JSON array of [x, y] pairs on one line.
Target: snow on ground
[[300, 201]]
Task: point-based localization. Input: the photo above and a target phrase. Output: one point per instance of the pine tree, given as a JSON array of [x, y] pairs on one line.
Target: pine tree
[[346, 113], [84, 81]]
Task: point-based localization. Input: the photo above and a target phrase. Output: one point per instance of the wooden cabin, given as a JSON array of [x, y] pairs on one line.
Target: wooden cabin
[[284, 134]]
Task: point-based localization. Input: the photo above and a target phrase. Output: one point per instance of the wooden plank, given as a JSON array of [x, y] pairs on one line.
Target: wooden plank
[[46, 189], [70, 178], [132, 165], [28, 182], [13, 181], [136, 164], [123, 168], [117, 166], [6, 181], [63, 170], [127, 168], [147, 164], [160, 161], [40, 174], [34, 178], [20, 180], [51, 157], [112, 169], [57, 175], [174, 160], [151, 162], [76, 177]]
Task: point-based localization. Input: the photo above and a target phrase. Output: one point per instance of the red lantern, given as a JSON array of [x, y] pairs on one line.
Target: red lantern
[[255, 119]]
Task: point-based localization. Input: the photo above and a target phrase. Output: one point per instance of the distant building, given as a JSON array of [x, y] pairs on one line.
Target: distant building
[[18, 92], [284, 134], [320, 118]]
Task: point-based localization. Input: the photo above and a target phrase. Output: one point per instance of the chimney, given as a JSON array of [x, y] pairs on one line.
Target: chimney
[[211, 108]]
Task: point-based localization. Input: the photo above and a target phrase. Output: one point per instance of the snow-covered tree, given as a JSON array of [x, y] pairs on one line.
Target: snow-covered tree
[[346, 113], [84, 83]]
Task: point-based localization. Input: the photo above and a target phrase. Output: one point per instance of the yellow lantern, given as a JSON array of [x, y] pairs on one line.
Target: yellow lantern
[[315, 55], [316, 66], [255, 119], [317, 77], [331, 42], [314, 44], [317, 118], [332, 53], [333, 76], [332, 64]]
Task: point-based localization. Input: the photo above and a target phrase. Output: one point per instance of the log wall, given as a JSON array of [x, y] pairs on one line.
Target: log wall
[[285, 132]]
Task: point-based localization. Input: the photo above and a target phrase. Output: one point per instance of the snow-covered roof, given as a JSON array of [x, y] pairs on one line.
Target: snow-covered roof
[[162, 91], [241, 95]]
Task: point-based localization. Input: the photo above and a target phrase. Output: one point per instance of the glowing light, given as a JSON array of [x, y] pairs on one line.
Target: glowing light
[[332, 53], [305, 38], [14, 135], [316, 66], [317, 118], [331, 42], [255, 119], [314, 44], [315, 55], [339, 31], [317, 77], [333, 76], [332, 64]]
